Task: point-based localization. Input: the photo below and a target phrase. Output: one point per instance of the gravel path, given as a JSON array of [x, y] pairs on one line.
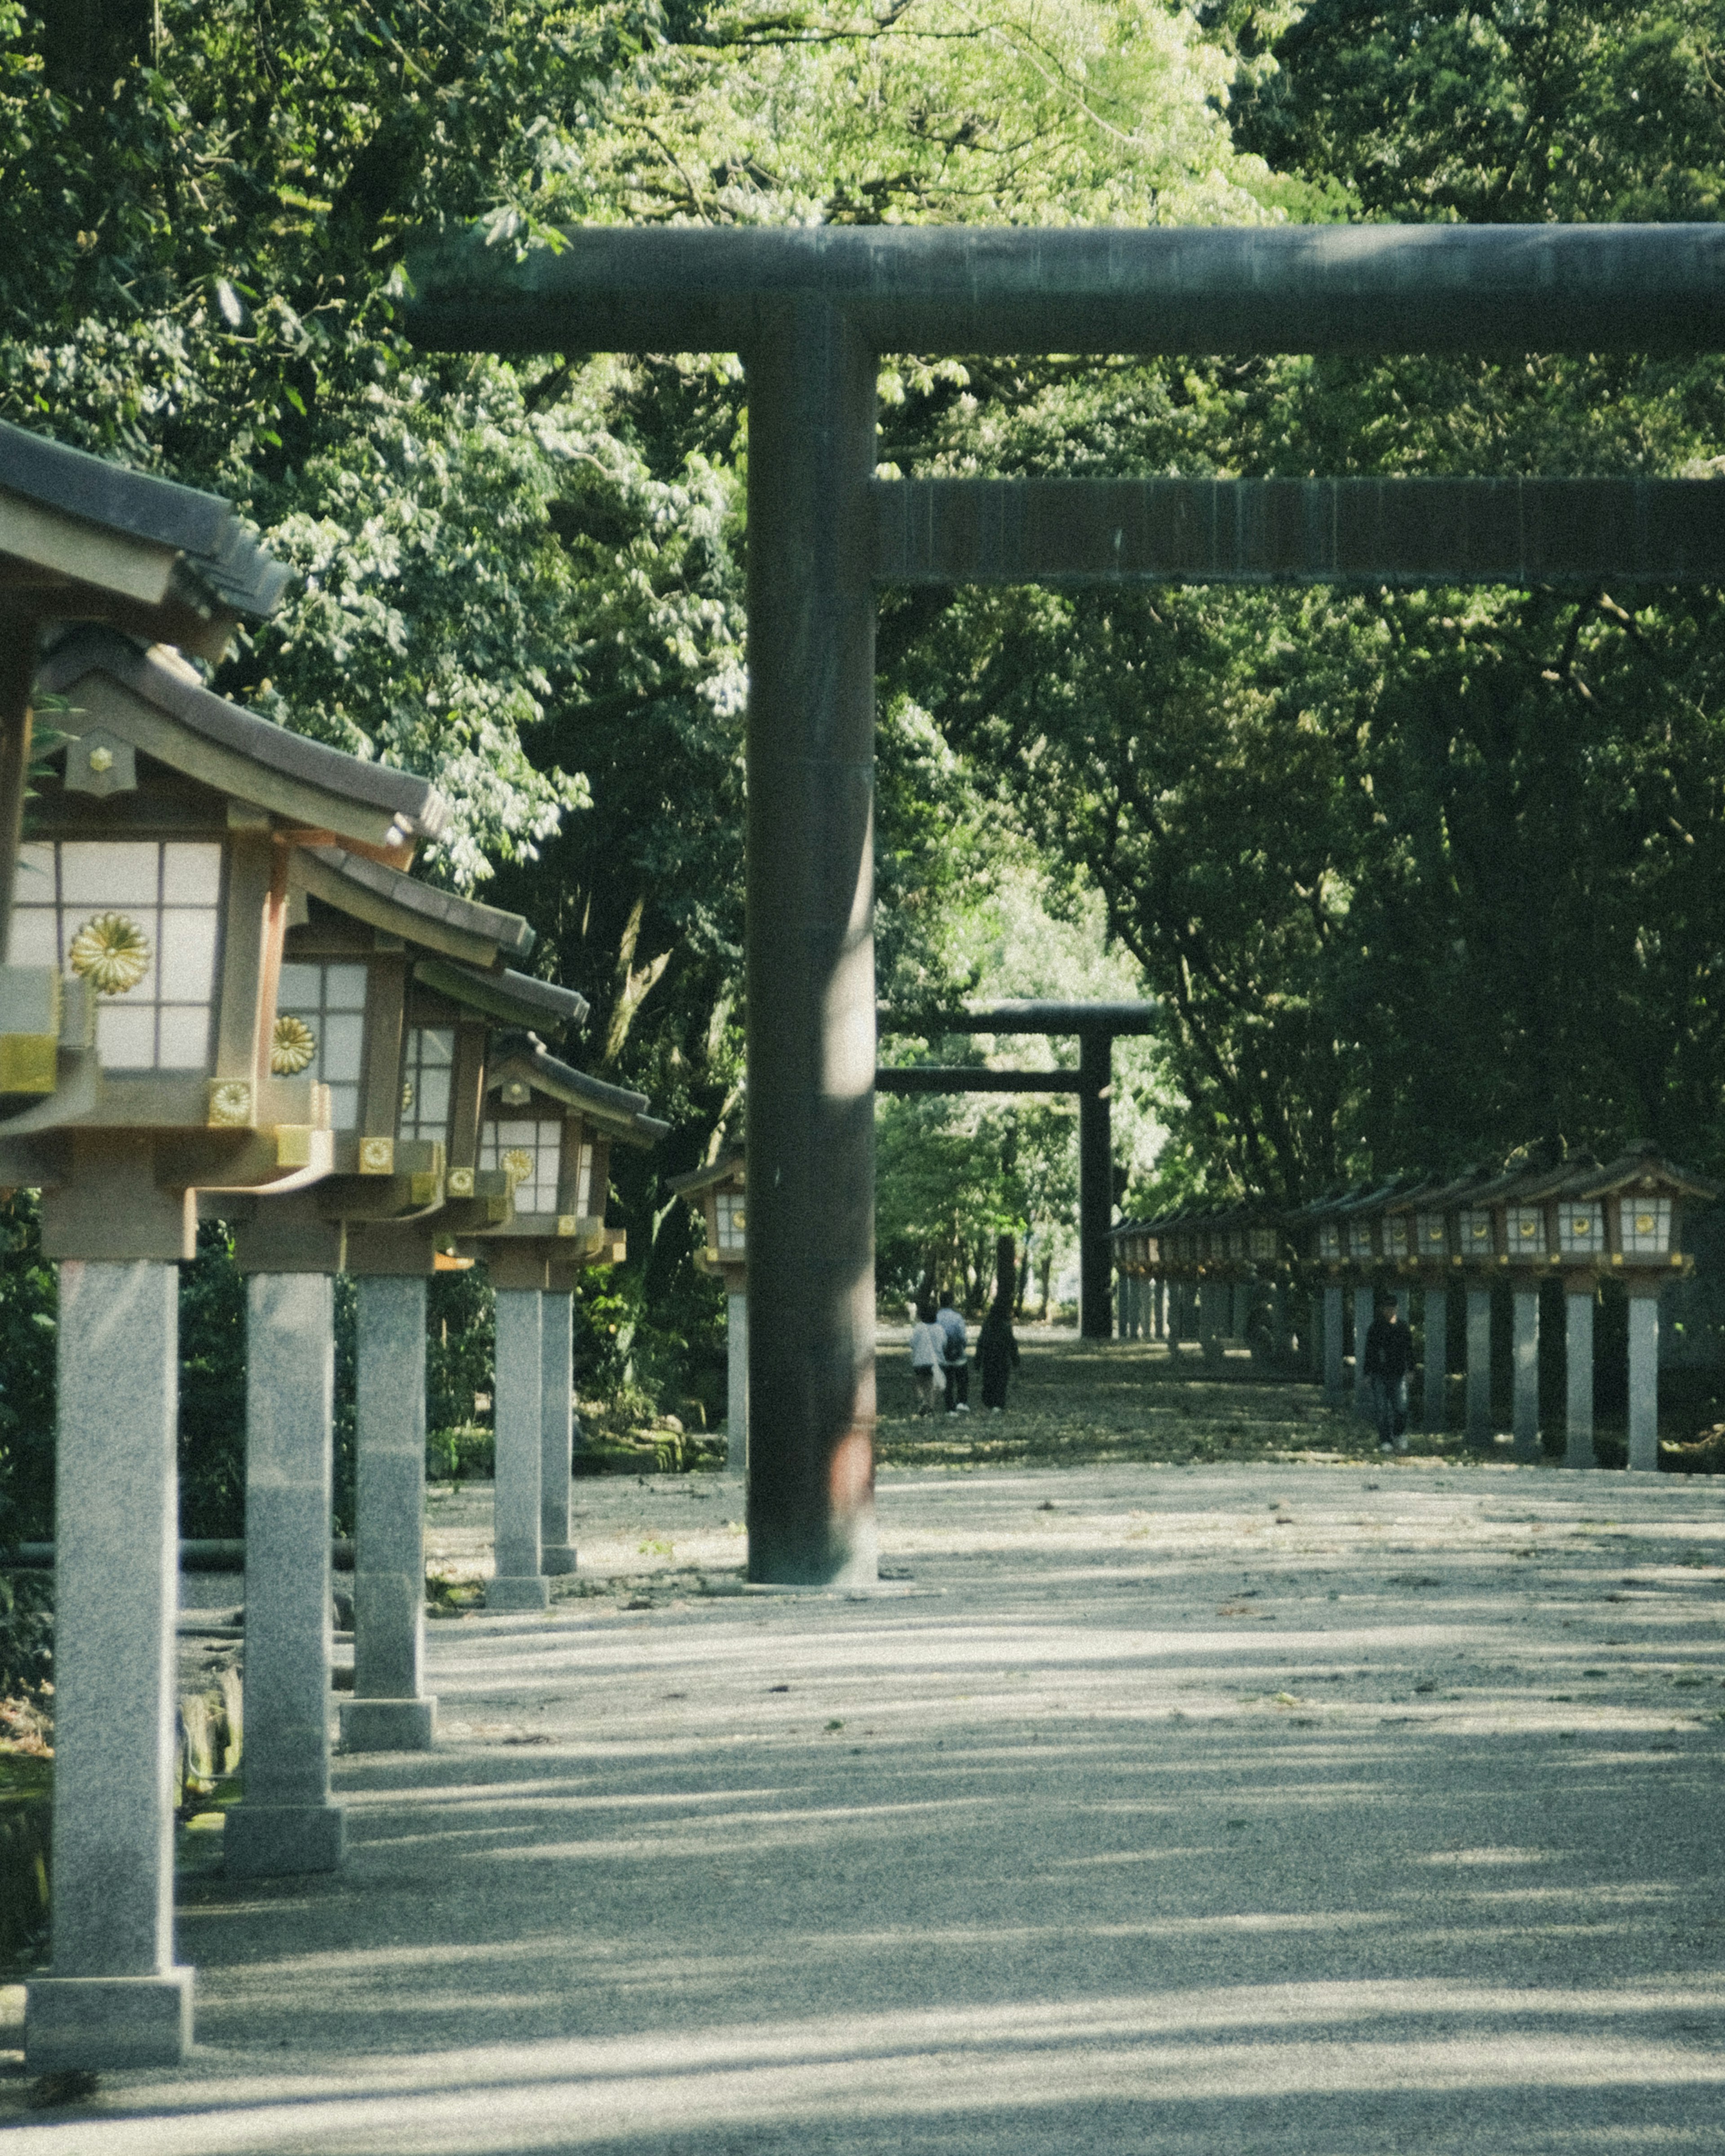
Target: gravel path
[[1206, 1809]]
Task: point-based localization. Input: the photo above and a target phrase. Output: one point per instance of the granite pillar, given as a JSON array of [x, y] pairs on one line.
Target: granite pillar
[[737, 1382], [286, 1822], [556, 1553], [516, 1411], [389, 1712], [1333, 1346], [1526, 1424], [113, 1995], [1643, 1383], [1578, 1375], [1362, 1325], [1437, 1354], [1479, 1366]]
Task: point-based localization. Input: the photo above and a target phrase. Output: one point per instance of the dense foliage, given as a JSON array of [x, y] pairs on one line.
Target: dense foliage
[[1413, 873]]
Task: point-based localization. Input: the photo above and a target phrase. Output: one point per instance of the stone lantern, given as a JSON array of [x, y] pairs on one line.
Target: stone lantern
[[1322, 1227], [1623, 1220], [550, 1128], [720, 1197], [157, 873], [403, 1064], [82, 539]]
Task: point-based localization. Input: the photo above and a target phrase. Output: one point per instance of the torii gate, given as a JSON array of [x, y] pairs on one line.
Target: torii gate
[[1096, 1025], [810, 310]]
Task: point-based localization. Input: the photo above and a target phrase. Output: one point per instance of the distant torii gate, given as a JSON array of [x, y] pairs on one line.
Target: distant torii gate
[[1096, 1025], [810, 310]]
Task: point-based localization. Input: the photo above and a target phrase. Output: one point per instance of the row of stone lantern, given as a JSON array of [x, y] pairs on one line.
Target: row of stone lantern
[[718, 1196], [1581, 1221], [221, 993]]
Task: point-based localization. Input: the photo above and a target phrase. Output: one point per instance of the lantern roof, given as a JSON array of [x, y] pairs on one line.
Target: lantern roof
[[1641, 1167], [517, 1000], [619, 1113], [1373, 1197], [154, 700], [90, 539], [733, 1169], [1437, 1196], [388, 899]]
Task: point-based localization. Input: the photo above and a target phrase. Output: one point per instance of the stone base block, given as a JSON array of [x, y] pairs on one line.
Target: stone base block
[[388, 1725], [265, 1841], [96, 2021], [518, 1591], [557, 1557]]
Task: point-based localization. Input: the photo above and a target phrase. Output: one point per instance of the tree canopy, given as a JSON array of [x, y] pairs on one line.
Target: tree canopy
[[1413, 875]]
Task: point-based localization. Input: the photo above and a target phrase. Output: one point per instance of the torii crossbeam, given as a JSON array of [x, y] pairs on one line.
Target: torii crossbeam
[[810, 310]]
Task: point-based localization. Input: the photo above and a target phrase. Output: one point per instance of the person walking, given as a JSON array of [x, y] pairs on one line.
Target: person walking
[[928, 1355], [996, 1353], [1388, 1364], [957, 1356]]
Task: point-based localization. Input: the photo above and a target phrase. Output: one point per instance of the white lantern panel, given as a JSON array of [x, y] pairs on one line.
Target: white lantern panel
[[583, 1179], [189, 953], [1263, 1243], [35, 940], [1477, 1237], [126, 1038], [190, 874], [1581, 1230], [111, 872], [529, 1149], [181, 1038], [320, 1031], [1395, 1234], [1644, 1225], [1359, 1239], [1329, 1241], [1525, 1225], [140, 921], [1434, 1238], [427, 1070], [733, 1222]]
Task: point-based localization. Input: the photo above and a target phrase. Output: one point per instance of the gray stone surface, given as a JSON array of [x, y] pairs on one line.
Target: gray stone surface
[[1335, 1346], [1434, 1302], [1644, 1382], [1526, 1422], [388, 1725], [106, 2022], [389, 1711], [517, 1414], [1578, 1378], [736, 1382], [286, 1821], [1479, 1365], [117, 1545], [556, 1553], [1362, 1325], [1159, 1820]]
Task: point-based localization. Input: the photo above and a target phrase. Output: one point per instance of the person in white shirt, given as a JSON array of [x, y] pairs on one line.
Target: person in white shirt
[[928, 1354]]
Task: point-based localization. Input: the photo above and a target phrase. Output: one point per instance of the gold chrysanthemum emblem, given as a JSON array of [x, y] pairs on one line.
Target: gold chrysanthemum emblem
[[292, 1046], [111, 953], [518, 1164]]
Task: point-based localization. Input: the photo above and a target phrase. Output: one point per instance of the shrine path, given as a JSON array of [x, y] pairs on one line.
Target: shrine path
[[1312, 1808]]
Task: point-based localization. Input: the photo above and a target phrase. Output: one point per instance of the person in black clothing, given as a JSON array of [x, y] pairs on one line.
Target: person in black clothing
[[1390, 1361], [998, 1352]]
